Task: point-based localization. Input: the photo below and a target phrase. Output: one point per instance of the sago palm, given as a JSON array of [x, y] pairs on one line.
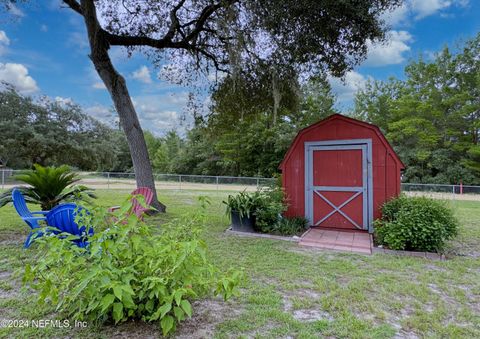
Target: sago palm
[[49, 186]]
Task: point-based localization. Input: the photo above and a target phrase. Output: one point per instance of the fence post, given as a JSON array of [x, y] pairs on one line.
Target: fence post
[[108, 180], [180, 181], [258, 183], [217, 183], [3, 179], [453, 192]]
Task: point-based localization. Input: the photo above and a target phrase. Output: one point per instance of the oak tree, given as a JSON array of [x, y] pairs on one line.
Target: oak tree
[[315, 35]]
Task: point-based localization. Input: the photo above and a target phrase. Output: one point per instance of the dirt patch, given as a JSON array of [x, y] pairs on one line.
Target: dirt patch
[[298, 293], [10, 242], [8, 294], [405, 335], [4, 275], [311, 315], [207, 314], [434, 289], [431, 267], [11, 238], [133, 329], [304, 315], [262, 332]]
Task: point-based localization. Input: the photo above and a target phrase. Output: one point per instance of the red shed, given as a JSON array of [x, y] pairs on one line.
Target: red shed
[[338, 172]]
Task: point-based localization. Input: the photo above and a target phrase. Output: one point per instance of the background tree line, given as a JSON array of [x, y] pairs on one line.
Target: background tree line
[[50, 133], [432, 119]]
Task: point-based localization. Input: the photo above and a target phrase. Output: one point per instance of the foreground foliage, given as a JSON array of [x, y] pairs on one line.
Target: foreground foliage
[[288, 226], [356, 296], [128, 272], [415, 223], [48, 187]]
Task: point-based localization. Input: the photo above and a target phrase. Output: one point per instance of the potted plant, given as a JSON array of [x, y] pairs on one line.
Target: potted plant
[[241, 209]]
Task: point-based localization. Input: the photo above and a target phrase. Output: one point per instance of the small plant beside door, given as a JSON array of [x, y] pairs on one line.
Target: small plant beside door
[[261, 211]]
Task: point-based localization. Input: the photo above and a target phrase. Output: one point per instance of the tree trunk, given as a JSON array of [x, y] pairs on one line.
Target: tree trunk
[[118, 90], [277, 96]]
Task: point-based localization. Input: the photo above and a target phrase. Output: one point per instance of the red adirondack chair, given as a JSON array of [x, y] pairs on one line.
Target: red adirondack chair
[[137, 208]]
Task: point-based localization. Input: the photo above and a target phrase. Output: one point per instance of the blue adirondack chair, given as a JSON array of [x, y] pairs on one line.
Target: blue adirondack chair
[[29, 217], [63, 216]]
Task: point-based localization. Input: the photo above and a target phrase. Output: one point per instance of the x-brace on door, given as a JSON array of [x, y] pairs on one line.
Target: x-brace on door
[[338, 184]]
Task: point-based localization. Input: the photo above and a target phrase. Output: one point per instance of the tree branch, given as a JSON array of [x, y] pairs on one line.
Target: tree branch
[[73, 4], [174, 23], [187, 41]]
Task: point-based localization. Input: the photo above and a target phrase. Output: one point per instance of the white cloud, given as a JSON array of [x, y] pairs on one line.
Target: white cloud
[[4, 38], [15, 10], [64, 101], [102, 113], [419, 9], [161, 113], [398, 16], [390, 52], [345, 90], [54, 5], [424, 8], [157, 113], [4, 42], [99, 85], [142, 74], [44, 28], [17, 75]]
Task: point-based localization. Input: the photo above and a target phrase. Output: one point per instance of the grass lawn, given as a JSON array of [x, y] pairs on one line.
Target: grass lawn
[[289, 291]]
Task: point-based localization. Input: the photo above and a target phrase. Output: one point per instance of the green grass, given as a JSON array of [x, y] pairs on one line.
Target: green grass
[[290, 291]]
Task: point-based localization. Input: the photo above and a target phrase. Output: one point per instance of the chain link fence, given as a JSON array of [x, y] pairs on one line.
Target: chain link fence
[[446, 192], [126, 181]]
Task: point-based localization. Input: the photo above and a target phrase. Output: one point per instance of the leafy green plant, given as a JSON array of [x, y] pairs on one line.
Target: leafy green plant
[[415, 223], [288, 226], [48, 187], [266, 205], [129, 271], [270, 207], [244, 203]]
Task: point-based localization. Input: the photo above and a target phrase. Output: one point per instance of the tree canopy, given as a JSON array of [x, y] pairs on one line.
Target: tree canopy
[[432, 118], [49, 133], [229, 35]]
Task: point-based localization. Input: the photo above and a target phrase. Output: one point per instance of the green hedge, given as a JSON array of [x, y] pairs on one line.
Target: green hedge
[[416, 224]]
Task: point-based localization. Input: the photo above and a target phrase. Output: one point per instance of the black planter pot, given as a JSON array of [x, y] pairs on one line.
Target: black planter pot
[[242, 224]]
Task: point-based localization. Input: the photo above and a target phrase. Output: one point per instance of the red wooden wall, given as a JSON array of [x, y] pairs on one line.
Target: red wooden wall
[[386, 166]]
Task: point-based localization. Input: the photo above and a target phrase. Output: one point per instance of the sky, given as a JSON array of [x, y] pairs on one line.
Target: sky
[[44, 52]]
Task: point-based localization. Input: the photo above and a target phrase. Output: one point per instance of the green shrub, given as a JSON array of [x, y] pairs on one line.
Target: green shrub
[[415, 223], [288, 226], [48, 187], [128, 271], [270, 206]]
